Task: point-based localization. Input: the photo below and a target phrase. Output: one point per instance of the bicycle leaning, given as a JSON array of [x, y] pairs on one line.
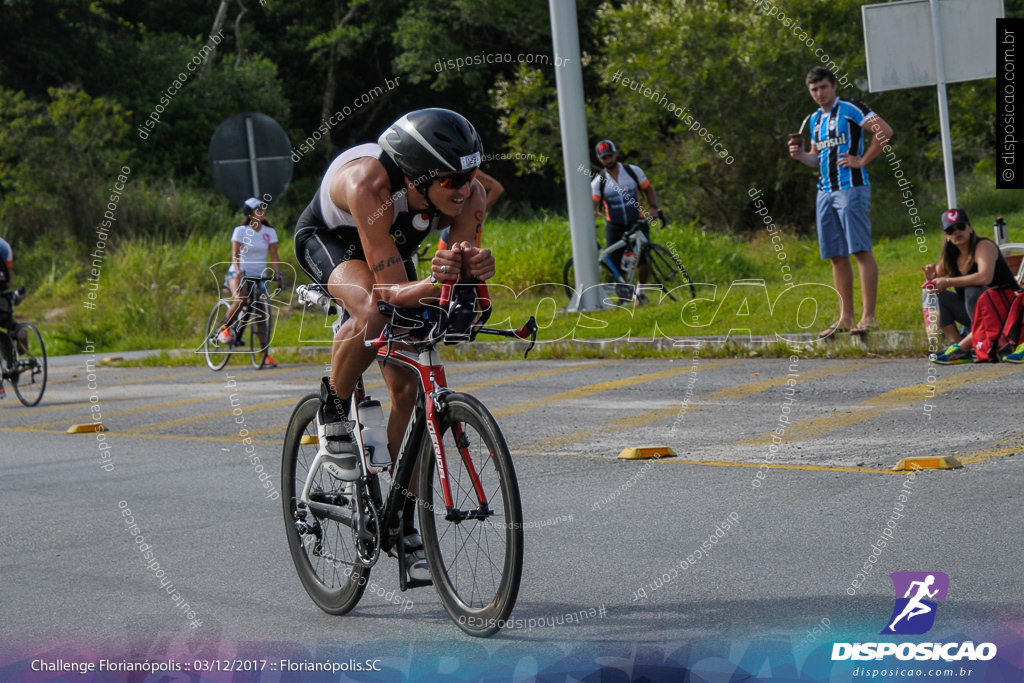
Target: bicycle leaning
[[467, 498], [642, 258], [253, 317], [22, 356]]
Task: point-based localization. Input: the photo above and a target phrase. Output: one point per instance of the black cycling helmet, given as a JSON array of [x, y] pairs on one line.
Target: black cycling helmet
[[426, 142], [604, 148], [251, 204]]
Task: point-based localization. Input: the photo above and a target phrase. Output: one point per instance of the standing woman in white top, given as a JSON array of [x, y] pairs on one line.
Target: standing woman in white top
[[251, 244]]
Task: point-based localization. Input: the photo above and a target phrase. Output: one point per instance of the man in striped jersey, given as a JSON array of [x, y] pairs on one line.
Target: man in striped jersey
[[838, 130]]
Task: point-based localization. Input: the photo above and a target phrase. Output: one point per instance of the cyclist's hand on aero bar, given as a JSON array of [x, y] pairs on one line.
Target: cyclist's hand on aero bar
[[446, 264], [462, 259], [477, 263]]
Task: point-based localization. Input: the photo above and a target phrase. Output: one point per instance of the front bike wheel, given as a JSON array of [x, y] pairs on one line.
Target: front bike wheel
[[322, 548], [668, 270], [217, 352], [259, 323], [608, 280], [29, 369], [474, 550]]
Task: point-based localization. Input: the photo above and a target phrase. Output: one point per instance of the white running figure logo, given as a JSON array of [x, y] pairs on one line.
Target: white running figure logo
[[915, 606]]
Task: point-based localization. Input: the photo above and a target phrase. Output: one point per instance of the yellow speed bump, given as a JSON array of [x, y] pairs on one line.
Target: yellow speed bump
[[930, 462], [308, 440], [646, 453], [87, 428]]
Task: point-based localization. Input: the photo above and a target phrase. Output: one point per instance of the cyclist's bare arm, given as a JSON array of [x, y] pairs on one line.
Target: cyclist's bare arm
[[362, 189], [492, 188]]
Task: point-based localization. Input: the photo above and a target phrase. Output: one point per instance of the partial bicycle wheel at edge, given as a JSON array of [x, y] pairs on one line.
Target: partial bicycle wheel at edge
[[569, 280], [216, 352], [476, 563], [30, 374], [322, 549], [669, 271]]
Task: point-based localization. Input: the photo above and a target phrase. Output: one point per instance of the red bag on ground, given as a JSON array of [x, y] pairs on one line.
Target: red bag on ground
[[990, 315], [1013, 328]]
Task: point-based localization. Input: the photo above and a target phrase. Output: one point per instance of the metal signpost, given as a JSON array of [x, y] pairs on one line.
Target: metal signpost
[[250, 156], [931, 42], [573, 123]]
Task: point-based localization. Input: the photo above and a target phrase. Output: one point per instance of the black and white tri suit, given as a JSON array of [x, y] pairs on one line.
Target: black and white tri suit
[[326, 236]]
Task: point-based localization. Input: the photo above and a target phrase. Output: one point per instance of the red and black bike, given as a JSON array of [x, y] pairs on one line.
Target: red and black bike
[[467, 497]]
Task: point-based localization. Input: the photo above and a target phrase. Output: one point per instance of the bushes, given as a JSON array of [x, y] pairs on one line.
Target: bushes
[[55, 161]]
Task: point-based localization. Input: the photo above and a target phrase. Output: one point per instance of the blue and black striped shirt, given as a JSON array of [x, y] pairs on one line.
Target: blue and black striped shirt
[[841, 131]]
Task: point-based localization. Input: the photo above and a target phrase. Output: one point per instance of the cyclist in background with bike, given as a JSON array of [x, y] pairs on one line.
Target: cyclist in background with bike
[[375, 204], [618, 188], [8, 299], [6, 263], [251, 243], [6, 304]]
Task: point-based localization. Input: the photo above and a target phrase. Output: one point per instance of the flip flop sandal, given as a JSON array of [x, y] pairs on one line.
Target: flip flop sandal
[[835, 327]]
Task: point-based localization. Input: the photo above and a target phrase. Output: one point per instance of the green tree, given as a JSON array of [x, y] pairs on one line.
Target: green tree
[[55, 161], [675, 83]]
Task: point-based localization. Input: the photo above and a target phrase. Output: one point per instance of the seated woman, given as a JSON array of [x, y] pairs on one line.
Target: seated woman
[[971, 264]]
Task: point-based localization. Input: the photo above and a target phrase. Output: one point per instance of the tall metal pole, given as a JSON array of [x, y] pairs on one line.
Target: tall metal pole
[[575, 155], [254, 173], [940, 77]]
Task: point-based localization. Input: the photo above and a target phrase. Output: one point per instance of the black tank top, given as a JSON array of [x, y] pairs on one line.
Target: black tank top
[[1002, 276]]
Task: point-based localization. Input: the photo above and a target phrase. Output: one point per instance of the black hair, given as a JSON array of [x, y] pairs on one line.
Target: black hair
[[820, 73]]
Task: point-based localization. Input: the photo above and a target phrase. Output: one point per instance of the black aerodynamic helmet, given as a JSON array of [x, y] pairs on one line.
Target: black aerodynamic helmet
[[426, 142]]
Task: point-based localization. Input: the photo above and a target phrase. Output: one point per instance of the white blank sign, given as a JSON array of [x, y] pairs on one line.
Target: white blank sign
[[900, 49]]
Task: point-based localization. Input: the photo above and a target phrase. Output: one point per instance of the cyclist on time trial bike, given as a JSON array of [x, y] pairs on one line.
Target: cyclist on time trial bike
[[251, 243], [375, 205]]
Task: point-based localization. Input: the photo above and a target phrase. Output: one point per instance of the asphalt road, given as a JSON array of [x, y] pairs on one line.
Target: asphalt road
[[742, 555]]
